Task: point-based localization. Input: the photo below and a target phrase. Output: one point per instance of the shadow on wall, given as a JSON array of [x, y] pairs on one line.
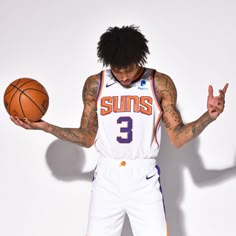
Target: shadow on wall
[[66, 162], [172, 161]]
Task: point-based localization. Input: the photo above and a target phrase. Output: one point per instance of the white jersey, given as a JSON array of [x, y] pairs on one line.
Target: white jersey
[[128, 118]]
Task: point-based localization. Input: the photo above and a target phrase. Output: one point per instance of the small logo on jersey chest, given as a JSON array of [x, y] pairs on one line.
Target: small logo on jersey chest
[[110, 84], [143, 85]]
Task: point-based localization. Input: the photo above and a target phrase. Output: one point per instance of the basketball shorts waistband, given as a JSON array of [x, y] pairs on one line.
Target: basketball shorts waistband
[[104, 163]]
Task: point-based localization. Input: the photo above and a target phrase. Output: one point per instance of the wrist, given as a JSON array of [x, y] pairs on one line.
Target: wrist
[[47, 128], [209, 117]]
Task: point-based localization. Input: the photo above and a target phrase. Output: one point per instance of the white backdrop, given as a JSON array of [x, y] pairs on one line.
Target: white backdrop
[[45, 183]]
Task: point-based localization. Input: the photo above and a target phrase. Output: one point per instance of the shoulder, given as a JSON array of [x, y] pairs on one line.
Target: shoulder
[[91, 86], [163, 80], [93, 80], [164, 85]]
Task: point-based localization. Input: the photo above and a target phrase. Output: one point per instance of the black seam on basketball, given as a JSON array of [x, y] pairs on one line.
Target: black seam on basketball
[[17, 89], [10, 90], [35, 90], [29, 81], [19, 97], [13, 96], [23, 92]]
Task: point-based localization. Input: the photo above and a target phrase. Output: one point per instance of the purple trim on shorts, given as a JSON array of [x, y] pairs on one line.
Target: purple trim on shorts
[[159, 179]]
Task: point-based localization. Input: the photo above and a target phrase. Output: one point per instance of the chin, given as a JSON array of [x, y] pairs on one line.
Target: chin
[[127, 85]]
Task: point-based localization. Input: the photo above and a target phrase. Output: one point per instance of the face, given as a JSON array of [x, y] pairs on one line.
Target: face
[[126, 75]]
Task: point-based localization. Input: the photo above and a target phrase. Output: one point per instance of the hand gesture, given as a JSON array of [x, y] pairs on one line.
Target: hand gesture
[[216, 104], [26, 124]]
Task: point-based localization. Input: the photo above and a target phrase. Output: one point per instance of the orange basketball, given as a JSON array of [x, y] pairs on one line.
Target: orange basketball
[[26, 97]]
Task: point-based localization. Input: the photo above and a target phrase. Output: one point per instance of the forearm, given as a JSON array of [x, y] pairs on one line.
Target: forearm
[[185, 133], [178, 132], [80, 136]]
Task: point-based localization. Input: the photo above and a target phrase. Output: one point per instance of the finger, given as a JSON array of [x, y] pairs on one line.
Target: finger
[[210, 91], [225, 87], [20, 122], [222, 94], [13, 119], [25, 120], [27, 123]]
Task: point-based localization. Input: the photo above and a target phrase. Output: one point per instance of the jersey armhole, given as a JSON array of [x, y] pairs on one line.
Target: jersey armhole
[[101, 82], [158, 102]]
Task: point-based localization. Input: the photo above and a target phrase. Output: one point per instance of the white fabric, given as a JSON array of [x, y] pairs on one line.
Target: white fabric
[[133, 188], [128, 118]]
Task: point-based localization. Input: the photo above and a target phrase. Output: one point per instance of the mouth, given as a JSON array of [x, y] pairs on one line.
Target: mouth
[[126, 83]]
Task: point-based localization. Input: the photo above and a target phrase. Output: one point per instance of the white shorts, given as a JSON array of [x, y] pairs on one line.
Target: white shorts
[[129, 187]]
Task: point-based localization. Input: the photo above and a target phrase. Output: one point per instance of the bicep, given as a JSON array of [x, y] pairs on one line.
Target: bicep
[[89, 121], [171, 116]]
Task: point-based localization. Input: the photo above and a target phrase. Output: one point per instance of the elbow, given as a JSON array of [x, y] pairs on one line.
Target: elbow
[[177, 144], [88, 145]]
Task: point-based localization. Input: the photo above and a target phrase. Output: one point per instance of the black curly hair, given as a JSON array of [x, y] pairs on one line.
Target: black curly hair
[[121, 47]]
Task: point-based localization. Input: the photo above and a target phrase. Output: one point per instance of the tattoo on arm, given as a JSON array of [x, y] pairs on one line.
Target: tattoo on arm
[[179, 133], [183, 132], [171, 114], [186, 132], [89, 119], [199, 125], [68, 134]]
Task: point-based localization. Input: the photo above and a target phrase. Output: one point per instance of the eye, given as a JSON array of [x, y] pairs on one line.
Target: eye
[[117, 72]]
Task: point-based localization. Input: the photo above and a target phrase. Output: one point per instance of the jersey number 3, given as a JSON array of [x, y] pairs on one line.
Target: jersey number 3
[[126, 130]]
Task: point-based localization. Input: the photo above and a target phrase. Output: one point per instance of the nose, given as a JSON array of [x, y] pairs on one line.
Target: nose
[[124, 77]]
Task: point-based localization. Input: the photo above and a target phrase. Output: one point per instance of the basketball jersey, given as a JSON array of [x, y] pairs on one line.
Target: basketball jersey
[[128, 118]]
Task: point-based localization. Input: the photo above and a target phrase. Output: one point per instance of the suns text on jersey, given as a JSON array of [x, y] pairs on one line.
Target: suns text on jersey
[[126, 103]]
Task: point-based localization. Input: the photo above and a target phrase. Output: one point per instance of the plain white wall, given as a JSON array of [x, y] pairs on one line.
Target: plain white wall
[[45, 183]]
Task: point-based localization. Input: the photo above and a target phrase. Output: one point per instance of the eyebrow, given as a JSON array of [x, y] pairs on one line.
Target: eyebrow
[[130, 68]]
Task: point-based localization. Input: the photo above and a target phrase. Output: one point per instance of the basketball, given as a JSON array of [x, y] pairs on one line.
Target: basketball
[[26, 97]]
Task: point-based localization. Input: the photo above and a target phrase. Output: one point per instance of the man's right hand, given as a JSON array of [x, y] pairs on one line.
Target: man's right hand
[[27, 124]]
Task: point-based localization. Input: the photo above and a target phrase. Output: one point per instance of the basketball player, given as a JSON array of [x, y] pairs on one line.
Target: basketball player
[[123, 108]]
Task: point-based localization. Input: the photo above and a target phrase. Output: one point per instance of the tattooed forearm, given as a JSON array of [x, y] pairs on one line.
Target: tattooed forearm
[[179, 132], [200, 124], [69, 134], [185, 133], [84, 136]]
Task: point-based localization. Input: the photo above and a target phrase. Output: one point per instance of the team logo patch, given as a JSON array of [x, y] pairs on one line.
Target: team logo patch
[[142, 85]]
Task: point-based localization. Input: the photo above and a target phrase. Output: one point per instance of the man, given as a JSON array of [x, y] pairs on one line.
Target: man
[[123, 106]]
